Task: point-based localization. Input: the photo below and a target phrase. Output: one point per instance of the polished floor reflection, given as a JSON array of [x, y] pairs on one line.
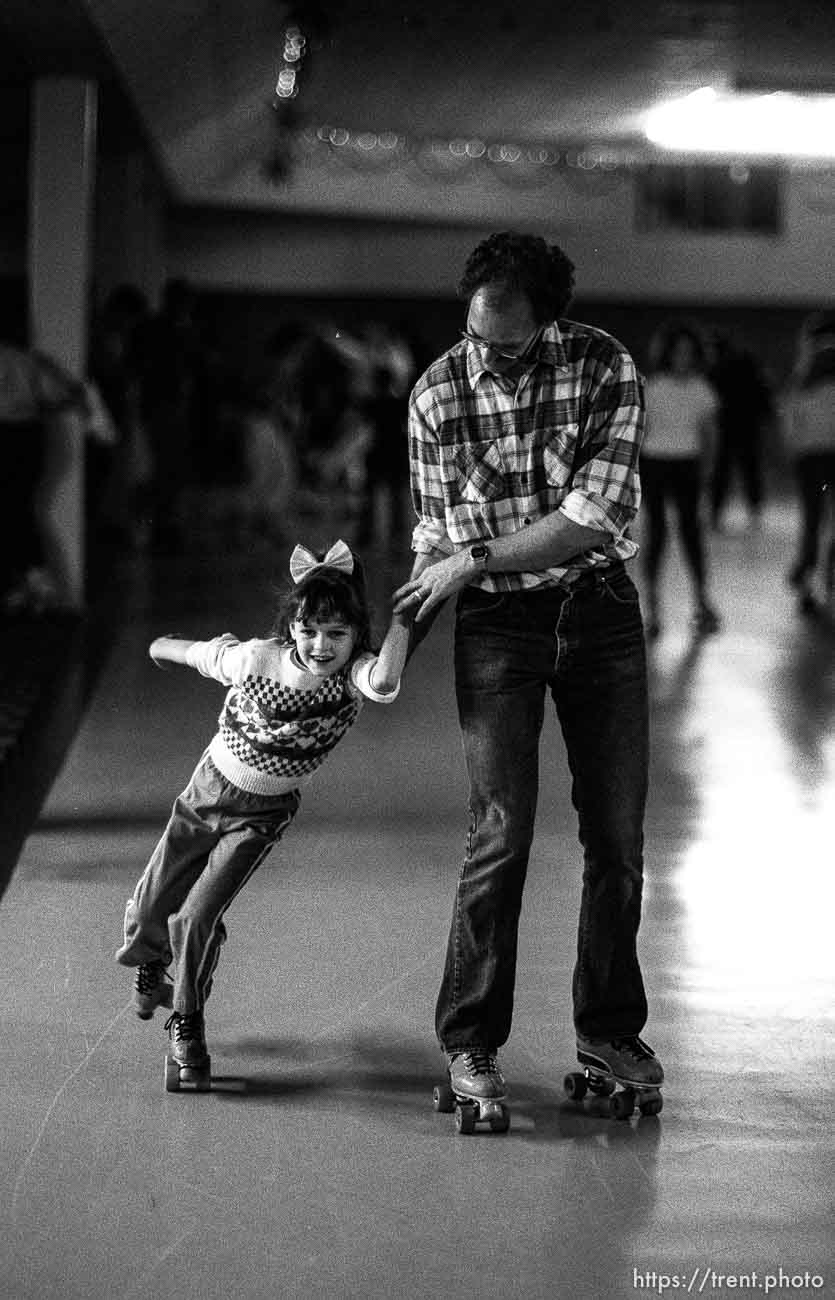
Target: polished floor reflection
[[316, 1167]]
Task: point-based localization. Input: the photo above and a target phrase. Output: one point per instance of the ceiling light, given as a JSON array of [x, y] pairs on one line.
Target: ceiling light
[[767, 125]]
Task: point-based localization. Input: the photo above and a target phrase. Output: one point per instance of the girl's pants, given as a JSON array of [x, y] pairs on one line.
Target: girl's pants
[[215, 839], [680, 481]]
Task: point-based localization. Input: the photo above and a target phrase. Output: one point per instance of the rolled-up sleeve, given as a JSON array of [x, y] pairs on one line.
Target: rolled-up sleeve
[[220, 658], [361, 671], [606, 487], [430, 533]]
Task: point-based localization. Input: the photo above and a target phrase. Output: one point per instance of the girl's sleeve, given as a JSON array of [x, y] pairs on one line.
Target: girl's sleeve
[[360, 679], [224, 658]]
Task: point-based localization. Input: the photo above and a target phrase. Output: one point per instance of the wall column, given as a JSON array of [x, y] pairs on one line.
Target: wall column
[[62, 173]]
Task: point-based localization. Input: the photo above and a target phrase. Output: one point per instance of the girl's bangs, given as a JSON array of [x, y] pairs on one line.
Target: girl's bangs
[[323, 607]]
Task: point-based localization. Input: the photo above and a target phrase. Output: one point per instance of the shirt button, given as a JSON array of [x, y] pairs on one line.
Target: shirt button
[[527, 520]]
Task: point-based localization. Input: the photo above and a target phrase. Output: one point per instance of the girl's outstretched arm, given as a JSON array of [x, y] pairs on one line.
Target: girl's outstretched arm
[[171, 648], [387, 671]]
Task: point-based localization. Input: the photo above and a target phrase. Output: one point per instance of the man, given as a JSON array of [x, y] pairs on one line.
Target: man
[[524, 441]]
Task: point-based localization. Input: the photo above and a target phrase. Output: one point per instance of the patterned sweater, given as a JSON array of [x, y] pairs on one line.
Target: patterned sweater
[[275, 729]]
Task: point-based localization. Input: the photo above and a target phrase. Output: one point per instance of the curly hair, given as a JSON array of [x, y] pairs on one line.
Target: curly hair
[[327, 594], [522, 264]]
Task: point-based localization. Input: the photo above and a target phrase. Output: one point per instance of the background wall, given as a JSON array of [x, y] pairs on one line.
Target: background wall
[[296, 254], [241, 322]]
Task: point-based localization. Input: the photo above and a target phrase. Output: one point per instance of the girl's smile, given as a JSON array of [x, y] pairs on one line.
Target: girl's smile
[[324, 646]]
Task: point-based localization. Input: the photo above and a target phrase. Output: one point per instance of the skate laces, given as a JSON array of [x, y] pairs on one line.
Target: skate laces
[[635, 1046], [187, 1027], [148, 976], [479, 1062]]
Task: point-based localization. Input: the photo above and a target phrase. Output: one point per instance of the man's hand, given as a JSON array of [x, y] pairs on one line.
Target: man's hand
[[434, 585]]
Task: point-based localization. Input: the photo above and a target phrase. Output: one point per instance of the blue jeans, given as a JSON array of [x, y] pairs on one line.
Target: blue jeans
[[587, 647]]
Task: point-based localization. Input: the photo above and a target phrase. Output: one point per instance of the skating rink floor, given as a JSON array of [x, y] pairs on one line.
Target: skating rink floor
[[316, 1167]]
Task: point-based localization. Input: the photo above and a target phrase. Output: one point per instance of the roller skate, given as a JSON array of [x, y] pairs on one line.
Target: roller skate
[[475, 1090], [625, 1070], [187, 1064], [151, 989]]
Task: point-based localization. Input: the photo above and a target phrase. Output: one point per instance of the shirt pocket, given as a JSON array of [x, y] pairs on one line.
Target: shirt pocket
[[475, 472], [559, 455]]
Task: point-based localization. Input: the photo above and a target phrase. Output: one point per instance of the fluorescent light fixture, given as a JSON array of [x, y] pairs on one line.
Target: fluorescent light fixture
[[768, 125]]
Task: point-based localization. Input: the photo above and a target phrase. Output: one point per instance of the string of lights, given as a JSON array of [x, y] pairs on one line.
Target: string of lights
[[517, 163], [292, 59], [277, 167], [460, 158]]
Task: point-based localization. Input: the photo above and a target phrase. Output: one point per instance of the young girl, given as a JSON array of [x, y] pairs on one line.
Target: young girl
[[676, 463], [291, 698]]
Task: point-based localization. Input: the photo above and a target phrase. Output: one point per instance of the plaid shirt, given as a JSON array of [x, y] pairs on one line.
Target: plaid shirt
[[488, 457]]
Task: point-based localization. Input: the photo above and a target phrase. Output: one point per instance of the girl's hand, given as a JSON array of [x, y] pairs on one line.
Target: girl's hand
[[170, 648]]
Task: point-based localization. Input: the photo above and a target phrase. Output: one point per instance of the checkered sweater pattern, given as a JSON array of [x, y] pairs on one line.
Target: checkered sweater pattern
[[274, 731]]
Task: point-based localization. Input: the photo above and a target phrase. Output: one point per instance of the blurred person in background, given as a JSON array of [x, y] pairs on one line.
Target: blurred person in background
[[809, 423], [390, 370], [676, 464], [117, 475], [33, 389], [172, 368], [310, 389], [745, 408], [386, 461]]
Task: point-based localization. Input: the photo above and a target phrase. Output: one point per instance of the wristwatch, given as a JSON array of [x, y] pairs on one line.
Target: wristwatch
[[480, 552]]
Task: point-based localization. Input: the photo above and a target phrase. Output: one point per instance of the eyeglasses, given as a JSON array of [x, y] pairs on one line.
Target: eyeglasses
[[502, 352]]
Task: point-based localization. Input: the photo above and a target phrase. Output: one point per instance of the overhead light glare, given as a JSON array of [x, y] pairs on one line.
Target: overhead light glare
[[768, 125]]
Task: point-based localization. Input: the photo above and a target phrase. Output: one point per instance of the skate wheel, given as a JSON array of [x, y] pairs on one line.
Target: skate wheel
[[443, 1099], [198, 1077], [652, 1106], [601, 1087], [465, 1120], [172, 1075], [500, 1123], [622, 1104], [575, 1085]]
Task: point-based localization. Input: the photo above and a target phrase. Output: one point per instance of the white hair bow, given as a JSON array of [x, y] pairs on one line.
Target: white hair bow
[[304, 562]]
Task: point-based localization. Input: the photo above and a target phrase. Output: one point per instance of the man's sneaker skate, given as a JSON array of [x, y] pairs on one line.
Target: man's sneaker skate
[[151, 989], [188, 1061], [475, 1091], [627, 1064], [476, 1075]]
